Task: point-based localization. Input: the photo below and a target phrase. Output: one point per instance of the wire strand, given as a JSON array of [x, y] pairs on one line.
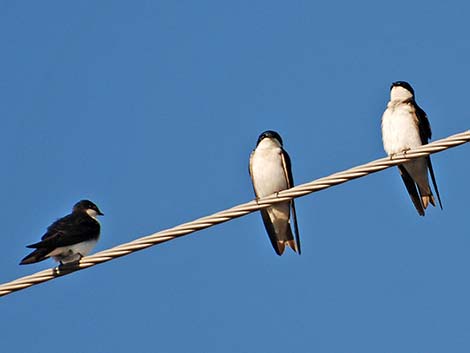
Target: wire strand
[[234, 212]]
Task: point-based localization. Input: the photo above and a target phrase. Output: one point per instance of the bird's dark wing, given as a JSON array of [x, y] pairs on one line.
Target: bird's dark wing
[[71, 229], [268, 224], [423, 124], [411, 187], [37, 255], [286, 163], [433, 178], [425, 134]]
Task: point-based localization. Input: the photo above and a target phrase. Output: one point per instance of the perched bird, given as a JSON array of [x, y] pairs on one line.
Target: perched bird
[[69, 238], [270, 171], [406, 126]]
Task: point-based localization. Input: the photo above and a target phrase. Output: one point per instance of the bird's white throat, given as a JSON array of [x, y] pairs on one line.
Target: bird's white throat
[[268, 143], [92, 213], [399, 93]]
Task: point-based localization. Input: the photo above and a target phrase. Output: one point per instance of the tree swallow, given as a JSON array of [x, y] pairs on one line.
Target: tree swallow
[[270, 171], [406, 126], [69, 238]]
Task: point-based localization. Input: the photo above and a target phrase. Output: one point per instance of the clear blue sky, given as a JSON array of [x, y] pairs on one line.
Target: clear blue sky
[[151, 109]]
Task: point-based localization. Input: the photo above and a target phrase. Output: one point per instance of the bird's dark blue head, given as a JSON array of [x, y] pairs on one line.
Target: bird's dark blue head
[[403, 84], [269, 134], [87, 206]]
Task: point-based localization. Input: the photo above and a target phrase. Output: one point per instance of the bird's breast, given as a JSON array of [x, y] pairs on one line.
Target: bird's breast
[[399, 129], [268, 172]]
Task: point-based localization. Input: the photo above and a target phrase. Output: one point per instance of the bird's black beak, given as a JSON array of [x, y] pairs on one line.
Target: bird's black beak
[[99, 213]]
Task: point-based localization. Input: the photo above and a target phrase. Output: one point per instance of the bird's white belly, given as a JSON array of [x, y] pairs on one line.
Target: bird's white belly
[[399, 130], [268, 172], [72, 253]]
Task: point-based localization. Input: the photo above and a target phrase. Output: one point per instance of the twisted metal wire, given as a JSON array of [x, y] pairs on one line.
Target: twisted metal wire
[[235, 212]]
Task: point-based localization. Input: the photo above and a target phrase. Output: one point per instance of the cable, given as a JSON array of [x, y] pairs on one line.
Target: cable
[[235, 212]]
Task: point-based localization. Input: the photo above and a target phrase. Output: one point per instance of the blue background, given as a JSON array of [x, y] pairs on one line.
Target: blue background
[[151, 109]]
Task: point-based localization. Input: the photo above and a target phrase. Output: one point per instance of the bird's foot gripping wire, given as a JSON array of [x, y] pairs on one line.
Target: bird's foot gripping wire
[[67, 267]]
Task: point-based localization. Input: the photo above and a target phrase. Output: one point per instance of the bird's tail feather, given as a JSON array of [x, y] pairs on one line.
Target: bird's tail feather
[[428, 199], [280, 247], [292, 244], [433, 178]]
